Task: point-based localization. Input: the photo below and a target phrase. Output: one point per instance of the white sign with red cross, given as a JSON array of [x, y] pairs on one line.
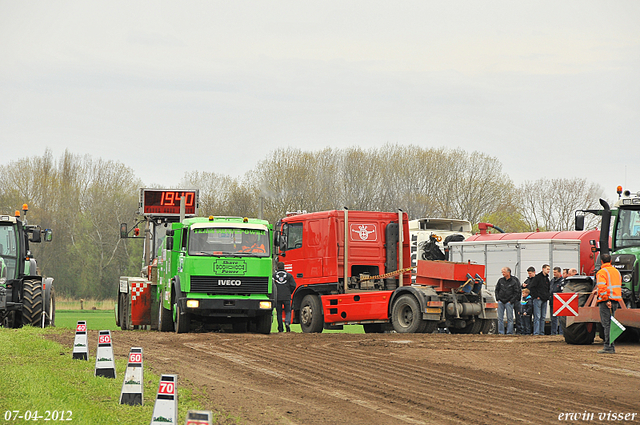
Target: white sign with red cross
[[565, 304]]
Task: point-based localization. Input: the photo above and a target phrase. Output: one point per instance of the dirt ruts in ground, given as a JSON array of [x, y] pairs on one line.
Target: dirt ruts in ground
[[392, 378]]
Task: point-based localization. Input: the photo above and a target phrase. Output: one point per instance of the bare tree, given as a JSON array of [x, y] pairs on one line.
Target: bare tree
[[550, 204]]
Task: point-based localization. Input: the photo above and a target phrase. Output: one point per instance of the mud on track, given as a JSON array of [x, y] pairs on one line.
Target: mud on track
[[392, 378]]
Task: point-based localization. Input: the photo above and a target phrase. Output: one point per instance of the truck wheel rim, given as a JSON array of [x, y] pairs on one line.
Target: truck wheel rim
[[406, 316], [306, 314]]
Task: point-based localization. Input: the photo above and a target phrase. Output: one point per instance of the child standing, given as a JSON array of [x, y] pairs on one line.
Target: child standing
[[526, 311]]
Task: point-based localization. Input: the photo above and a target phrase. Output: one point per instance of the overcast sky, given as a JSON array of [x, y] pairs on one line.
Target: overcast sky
[[552, 89]]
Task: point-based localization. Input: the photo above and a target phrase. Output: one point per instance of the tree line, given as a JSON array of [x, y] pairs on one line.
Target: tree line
[[84, 199]]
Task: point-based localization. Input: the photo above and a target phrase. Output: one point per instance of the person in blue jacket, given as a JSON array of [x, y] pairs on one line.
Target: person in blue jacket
[[525, 311]]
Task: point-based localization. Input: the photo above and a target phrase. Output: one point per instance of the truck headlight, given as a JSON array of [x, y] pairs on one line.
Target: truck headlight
[[193, 303], [265, 304], [626, 278]]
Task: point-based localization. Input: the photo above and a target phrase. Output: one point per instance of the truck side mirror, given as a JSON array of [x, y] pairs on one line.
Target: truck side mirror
[[282, 239], [34, 235], [123, 231], [276, 238], [579, 221], [170, 243], [48, 235]]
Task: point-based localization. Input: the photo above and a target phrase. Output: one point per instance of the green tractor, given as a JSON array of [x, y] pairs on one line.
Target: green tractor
[[625, 256], [26, 298]]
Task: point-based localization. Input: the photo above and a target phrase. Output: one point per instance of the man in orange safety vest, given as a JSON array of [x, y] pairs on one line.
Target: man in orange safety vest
[[609, 290]]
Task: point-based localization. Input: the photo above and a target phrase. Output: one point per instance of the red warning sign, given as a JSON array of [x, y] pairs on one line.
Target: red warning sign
[[565, 304]]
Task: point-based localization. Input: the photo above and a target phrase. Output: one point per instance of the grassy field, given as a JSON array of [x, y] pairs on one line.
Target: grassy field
[[98, 320], [88, 304], [40, 375]]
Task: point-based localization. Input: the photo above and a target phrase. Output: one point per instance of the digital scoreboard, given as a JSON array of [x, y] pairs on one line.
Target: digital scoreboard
[[166, 202]]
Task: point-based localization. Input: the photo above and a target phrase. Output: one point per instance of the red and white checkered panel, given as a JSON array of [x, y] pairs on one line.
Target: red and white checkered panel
[[137, 288]]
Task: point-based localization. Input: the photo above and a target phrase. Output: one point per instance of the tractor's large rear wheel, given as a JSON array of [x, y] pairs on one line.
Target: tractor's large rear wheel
[[578, 333], [32, 303]]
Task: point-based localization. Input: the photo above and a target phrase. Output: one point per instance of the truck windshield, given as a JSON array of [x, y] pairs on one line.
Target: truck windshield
[[219, 241], [628, 228], [8, 251]]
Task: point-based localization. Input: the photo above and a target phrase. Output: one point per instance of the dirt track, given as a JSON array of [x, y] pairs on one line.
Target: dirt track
[[393, 378]]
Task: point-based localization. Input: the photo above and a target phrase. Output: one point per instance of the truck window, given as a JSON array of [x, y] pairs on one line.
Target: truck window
[[294, 236], [628, 230], [223, 241], [8, 248]]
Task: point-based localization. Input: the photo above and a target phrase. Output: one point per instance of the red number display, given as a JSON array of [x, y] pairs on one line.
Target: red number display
[[166, 388], [104, 339], [167, 202], [81, 328], [135, 358]]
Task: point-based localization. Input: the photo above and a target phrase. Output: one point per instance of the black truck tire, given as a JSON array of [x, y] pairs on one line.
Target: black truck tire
[[32, 303], [263, 323], [430, 326], [165, 322], [406, 315], [488, 326], [311, 317], [183, 321], [578, 333], [123, 311]]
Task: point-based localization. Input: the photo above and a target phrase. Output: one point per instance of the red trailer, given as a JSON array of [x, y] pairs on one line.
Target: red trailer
[[374, 288]]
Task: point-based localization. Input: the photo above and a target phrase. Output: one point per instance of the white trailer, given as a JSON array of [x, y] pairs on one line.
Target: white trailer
[[518, 255]]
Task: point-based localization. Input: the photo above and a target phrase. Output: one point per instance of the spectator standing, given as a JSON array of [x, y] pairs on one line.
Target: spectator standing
[[565, 273], [285, 285], [609, 290], [555, 285], [507, 294], [539, 288], [524, 311], [531, 273], [573, 272]]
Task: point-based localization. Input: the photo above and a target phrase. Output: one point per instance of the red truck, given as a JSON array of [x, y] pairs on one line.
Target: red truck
[[374, 289]]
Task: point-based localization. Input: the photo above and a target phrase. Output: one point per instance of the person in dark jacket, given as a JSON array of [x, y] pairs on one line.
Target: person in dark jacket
[[539, 288], [525, 311], [555, 285], [507, 294], [284, 285]]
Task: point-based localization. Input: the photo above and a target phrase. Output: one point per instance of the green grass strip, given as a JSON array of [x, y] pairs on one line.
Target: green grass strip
[[40, 375]]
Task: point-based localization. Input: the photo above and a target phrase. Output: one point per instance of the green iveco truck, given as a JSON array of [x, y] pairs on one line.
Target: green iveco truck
[[216, 270], [198, 272]]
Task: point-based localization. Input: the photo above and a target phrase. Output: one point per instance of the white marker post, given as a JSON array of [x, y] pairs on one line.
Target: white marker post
[[105, 365], [199, 417], [165, 410], [131, 393], [80, 343]]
